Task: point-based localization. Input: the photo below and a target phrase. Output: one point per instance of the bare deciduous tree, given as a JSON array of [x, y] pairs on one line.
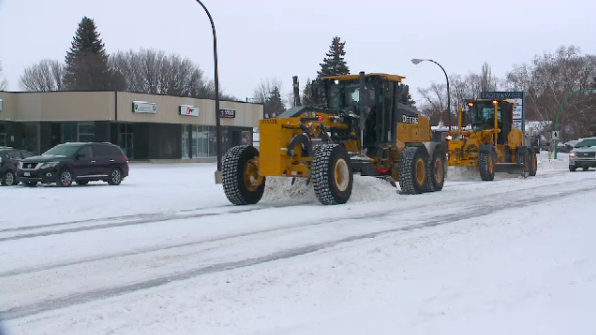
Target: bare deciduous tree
[[548, 80], [3, 81], [45, 76], [154, 72]]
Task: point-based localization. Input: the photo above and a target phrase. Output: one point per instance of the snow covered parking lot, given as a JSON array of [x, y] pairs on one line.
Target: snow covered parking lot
[[165, 253]]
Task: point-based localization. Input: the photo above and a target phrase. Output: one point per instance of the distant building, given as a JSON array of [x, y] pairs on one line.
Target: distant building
[[145, 126]]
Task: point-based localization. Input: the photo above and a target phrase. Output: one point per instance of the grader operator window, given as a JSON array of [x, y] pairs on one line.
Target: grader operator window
[[483, 116], [344, 95]]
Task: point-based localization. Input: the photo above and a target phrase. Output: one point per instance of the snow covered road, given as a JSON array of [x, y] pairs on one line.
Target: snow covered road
[[164, 256]]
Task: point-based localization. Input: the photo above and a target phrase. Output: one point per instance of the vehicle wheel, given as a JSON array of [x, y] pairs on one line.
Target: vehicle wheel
[[332, 174], [241, 181], [524, 158], [533, 163], [82, 182], [572, 168], [486, 163], [8, 179], [65, 178], [586, 168], [30, 183], [115, 177], [413, 167], [436, 170]]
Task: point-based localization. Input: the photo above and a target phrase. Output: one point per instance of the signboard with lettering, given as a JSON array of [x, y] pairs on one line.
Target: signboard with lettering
[[144, 107], [519, 115], [226, 113], [188, 110]]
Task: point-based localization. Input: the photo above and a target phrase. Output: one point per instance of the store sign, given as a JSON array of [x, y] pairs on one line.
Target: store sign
[[519, 116], [1, 105], [188, 110], [227, 113], [144, 107]]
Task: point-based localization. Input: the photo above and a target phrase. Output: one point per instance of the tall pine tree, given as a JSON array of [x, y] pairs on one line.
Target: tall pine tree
[[87, 61], [274, 104], [334, 64]]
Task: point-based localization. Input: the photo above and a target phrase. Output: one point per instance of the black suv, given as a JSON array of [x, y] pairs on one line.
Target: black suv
[[9, 161], [78, 162]]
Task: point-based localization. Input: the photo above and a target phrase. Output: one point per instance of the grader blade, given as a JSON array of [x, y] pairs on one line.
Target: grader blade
[[511, 168], [388, 179]]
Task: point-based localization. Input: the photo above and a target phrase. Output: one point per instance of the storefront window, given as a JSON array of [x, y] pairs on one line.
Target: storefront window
[[245, 137], [200, 141], [86, 132], [3, 136], [31, 136], [69, 132], [186, 141]]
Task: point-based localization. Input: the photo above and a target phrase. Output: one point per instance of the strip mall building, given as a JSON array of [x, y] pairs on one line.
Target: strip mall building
[[146, 126]]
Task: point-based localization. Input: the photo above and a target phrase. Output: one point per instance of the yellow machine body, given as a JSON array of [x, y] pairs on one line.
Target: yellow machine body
[[365, 127], [494, 134]]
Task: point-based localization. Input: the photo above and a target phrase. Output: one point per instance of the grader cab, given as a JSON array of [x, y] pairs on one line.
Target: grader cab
[[492, 144], [365, 128]]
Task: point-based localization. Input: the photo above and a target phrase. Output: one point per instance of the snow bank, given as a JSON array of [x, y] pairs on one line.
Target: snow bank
[[561, 163]]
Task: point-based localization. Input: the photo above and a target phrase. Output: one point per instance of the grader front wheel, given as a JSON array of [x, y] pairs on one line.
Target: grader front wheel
[[413, 170], [486, 163], [241, 181], [332, 174]]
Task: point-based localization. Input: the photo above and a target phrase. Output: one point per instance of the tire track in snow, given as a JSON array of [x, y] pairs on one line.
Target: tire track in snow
[[310, 223], [100, 294], [372, 214], [150, 218], [455, 183]]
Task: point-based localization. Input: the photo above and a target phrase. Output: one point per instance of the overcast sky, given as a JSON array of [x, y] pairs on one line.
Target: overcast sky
[[275, 38]]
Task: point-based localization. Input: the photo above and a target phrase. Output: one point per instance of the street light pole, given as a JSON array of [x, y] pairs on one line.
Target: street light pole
[[418, 61], [217, 116]]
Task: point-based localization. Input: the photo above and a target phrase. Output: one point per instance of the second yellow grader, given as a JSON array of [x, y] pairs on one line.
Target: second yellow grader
[[492, 144]]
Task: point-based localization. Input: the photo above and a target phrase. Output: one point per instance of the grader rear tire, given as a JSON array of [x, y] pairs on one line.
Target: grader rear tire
[[533, 162], [486, 163], [240, 176], [413, 170], [436, 170], [332, 174]]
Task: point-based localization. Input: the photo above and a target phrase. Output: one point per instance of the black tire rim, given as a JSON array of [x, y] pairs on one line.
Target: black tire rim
[[9, 178], [65, 178], [115, 176]]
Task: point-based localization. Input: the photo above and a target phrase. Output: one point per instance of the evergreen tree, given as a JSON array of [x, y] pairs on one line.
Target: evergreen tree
[[307, 96], [334, 64], [87, 61], [274, 103]]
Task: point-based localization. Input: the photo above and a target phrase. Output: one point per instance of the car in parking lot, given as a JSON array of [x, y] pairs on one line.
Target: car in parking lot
[[583, 155], [9, 162], [79, 162]]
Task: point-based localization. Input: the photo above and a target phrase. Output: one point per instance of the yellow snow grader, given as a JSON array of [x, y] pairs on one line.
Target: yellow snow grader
[[492, 144], [364, 128]]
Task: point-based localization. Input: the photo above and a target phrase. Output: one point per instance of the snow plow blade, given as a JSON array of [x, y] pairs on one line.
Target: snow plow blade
[[511, 168]]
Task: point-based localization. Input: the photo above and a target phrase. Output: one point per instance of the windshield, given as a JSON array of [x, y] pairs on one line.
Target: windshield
[[62, 150], [346, 94], [483, 115], [586, 143]]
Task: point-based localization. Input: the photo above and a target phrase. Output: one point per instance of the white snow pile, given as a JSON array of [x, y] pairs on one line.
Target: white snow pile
[[365, 189], [562, 161]]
